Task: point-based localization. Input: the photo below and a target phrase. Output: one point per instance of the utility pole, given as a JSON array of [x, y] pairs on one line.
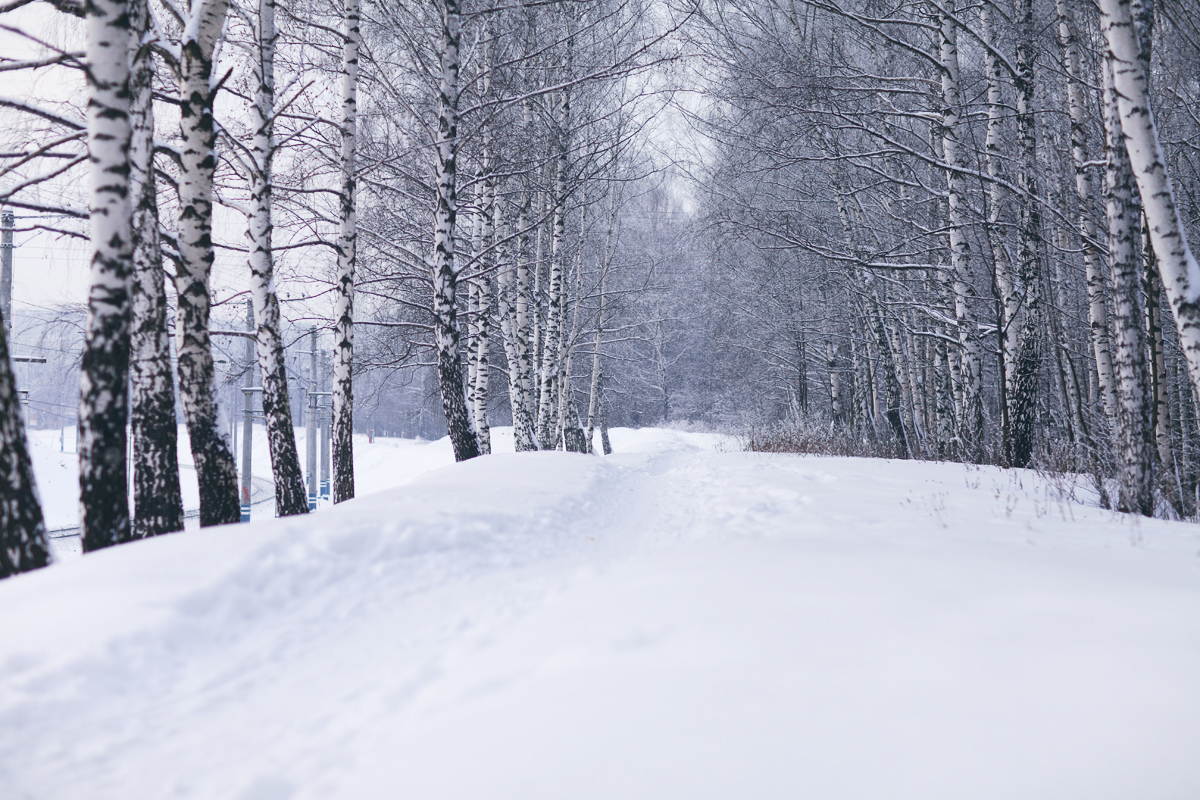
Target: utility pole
[[248, 390], [310, 435], [326, 431], [7, 223]]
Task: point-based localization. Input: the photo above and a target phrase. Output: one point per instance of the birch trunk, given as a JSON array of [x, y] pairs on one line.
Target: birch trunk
[[512, 291], [157, 498], [482, 365], [537, 329], [892, 391], [445, 274], [1009, 305], [103, 478], [23, 542], [554, 300], [568, 415], [347, 251], [1158, 358], [971, 431], [1135, 430], [215, 469], [524, 420], [1022, 400], [605, 444], [1176, 263], [506, 314], [1084, 193], [598, 343], [281, 438]]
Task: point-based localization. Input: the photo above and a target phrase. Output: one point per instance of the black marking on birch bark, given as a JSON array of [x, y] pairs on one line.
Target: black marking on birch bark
[[157, 498], [104, 373], [445, 278], [215, 468]]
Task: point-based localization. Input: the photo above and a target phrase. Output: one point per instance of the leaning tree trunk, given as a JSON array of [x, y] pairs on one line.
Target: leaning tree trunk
[[290, 497], [1135, 430], [1176, 263], [445, 275], [104, 377], [343, 312], [157, 500], [23, 543], [1158, 356], [215, 469]]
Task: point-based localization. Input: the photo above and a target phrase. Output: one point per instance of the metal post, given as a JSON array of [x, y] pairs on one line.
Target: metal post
[[7, 222], [310, 438], [248, 416], [326, 438]]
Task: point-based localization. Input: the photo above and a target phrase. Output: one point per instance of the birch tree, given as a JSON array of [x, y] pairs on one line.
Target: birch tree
[[1022, 400], [1135, 432], [290, 496], [157, 497], [103, 477], [215, 469], [347, 250], [445, 270], [23, 542], [1176, 262], [1084, 195], [971, 420]]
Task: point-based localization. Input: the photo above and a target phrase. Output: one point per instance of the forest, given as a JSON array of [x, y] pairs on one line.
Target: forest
[[935, 230]]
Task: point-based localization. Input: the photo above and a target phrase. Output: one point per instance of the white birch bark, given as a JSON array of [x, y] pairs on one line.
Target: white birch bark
[[1097, 305], [347, 250], [510, 334], [1135, 429], [549, 372], [290, 498], [215, 468], [1163, 423], [568, 415], [971, 431], [473, 313], [104, 376], [1006, 281], [445, 270], [521, 367], [1084, 193], [1176, 262], [157, 498], [482, 366]]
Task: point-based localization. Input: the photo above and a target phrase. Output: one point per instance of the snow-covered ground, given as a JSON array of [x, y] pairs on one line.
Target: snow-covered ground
[[677, 620]]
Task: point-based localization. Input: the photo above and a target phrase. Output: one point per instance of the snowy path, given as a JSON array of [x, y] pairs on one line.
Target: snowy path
[[668, 622]]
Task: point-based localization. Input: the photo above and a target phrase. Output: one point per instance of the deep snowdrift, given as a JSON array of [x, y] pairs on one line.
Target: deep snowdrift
[[669, 622]]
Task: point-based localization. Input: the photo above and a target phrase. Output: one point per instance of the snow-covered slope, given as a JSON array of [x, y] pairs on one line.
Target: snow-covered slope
[[672, 621]]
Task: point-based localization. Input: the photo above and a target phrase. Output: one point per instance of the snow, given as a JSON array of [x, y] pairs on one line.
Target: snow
[[677, 620]]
